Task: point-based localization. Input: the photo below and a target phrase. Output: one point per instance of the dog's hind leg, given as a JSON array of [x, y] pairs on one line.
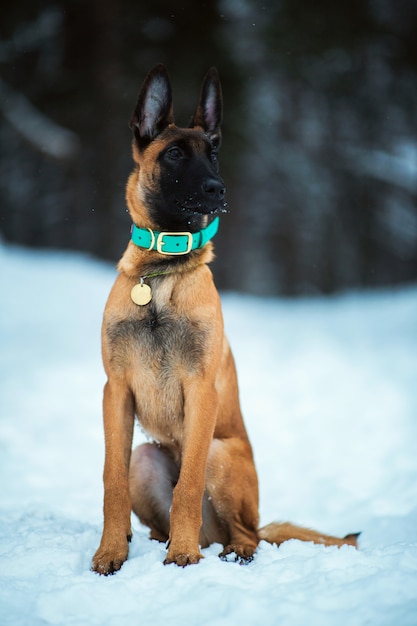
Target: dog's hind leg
[[152, 477], [232, 488]]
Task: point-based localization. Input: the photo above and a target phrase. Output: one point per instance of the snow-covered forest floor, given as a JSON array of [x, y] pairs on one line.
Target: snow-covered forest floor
[[329, 394]]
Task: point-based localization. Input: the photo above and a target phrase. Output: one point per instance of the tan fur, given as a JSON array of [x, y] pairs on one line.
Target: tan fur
[[169, 363], [278, 532]]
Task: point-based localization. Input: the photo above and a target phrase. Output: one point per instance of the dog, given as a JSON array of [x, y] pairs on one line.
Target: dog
[[167, 358]]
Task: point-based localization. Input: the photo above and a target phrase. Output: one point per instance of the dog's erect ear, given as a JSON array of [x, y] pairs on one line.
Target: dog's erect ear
[[153, 110], [209, 111]]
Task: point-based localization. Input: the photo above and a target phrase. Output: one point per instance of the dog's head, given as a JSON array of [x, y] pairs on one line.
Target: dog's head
[[176, 181]]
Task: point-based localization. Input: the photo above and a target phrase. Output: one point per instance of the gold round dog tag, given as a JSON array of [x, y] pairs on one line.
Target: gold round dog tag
[[141, 294]]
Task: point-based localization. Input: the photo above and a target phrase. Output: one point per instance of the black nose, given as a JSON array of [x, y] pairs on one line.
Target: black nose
[[214, 188]]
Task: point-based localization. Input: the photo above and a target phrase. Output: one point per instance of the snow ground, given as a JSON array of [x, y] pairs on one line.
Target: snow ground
[[328, 388]]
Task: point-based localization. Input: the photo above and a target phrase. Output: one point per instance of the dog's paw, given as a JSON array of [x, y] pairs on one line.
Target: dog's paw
[[239, 553], [107, 561], [183, 559]]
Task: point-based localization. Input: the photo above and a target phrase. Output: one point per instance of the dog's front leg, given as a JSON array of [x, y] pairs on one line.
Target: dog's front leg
[[118, 414], [201, 406]]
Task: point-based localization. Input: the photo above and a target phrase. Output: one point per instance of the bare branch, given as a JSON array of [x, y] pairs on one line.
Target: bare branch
[[43, 133]]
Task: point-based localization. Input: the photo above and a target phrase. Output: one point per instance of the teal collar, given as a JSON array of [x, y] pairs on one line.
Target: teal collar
[[173, 242]]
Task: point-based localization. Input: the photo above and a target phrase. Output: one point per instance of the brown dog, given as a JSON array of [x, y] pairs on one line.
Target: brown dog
[[167, 358]]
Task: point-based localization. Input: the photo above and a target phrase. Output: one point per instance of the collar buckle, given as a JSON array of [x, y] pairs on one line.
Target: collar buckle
[[161, 242]]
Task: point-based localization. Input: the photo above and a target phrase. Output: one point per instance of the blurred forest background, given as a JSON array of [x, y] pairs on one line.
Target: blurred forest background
[[319, 138]]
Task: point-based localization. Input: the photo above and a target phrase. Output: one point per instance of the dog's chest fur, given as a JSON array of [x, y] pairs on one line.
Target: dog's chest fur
[[156, 348], [159, 341]]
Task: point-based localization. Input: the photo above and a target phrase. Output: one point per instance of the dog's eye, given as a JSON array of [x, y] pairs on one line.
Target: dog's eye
[[174, 153], [213, 156]]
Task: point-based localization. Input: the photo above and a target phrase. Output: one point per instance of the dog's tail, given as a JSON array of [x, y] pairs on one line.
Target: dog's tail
[[278, 532]]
